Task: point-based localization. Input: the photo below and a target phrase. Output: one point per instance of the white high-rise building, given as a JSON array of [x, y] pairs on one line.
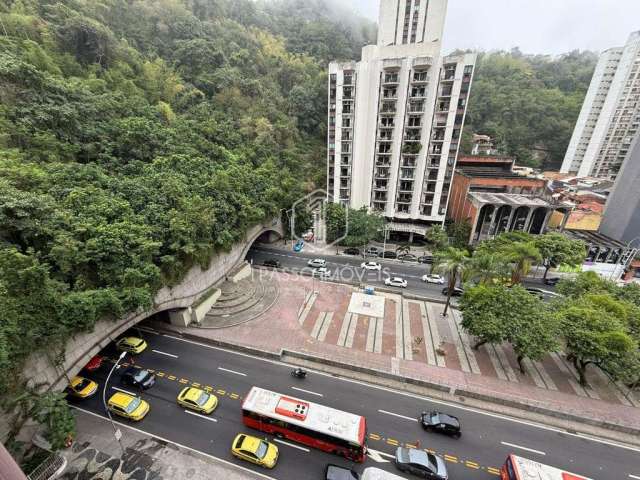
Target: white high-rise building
[[396, 117], [610, 115]]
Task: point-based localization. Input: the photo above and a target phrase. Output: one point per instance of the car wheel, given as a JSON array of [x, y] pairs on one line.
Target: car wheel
[[458, 435]]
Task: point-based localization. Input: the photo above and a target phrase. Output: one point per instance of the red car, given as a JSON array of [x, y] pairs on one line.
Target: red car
[[94, 364]]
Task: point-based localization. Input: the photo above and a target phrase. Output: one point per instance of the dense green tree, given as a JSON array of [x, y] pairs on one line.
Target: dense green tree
[[453, 262], [459, 233], [437, 237], [557, 249], [522, 255]]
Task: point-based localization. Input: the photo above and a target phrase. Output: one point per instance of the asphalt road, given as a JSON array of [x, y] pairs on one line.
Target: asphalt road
[[486, 441], [347, 268]]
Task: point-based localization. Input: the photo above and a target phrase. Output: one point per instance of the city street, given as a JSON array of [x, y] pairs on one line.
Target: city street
[[346, 268], [486, 441]]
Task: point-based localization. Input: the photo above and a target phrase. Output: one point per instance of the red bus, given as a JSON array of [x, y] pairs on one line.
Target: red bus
[[518, 468], [308, 423]]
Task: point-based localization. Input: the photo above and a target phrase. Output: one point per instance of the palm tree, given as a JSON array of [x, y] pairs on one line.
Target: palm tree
[[522, 255], [453, 262], [486, 268]]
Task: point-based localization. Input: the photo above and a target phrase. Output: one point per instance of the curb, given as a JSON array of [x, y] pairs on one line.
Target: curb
[[452, 390]]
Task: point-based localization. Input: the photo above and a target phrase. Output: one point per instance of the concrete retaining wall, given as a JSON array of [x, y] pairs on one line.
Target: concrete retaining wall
[[41, 370], [204, 305]]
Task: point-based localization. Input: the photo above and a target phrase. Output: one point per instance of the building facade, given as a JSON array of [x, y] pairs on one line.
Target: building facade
[[395, 118], [621, 220], [610, 116]]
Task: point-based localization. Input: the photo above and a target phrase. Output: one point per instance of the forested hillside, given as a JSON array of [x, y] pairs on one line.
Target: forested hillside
[[529, 103], [139, 137]]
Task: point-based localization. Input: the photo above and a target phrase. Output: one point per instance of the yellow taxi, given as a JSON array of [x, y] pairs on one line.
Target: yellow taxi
[[197, 400], [128, 406], [255, 450], [82, 387], [131, 344]]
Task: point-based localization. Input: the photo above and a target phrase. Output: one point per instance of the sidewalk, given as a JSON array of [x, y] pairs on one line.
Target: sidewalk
[[413, 341], [95, 455]]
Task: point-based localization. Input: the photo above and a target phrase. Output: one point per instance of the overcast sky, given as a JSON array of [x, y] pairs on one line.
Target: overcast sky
[[536, 26]]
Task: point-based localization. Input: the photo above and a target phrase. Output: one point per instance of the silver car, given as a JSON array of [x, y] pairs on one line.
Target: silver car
[[421, 463]]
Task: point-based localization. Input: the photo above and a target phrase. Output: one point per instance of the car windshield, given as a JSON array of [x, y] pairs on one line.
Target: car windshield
[[83, 384], [133, 404], [435, 418], [140, 375], [262, 449], [202, 399]]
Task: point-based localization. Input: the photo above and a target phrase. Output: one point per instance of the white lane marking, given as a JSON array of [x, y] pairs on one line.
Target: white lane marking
[[208, 455], [307, 391], [232, 371], [398, 415], [377, 455], [522, 448], [124, 391], [291, 445], [506, 418], [634, 476], [165, 353], [211, 419]]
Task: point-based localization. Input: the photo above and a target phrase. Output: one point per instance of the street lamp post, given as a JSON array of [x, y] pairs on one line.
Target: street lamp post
[[116, 432]]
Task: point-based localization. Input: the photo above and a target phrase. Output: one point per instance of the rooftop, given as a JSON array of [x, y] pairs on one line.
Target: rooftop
[[512, 199]]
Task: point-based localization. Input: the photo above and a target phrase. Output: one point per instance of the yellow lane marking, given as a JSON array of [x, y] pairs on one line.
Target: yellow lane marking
[[428, 450], [234, 396], [409, 445], [221, 392], [451, 459], [172, 377], [374, 436], [208, 389], [151, 370], [160, 374], [472, 465], [493, 471], [183, 381], [391, 441], [195, 384]]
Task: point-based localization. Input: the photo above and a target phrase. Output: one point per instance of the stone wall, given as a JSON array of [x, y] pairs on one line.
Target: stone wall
[[40, 369]]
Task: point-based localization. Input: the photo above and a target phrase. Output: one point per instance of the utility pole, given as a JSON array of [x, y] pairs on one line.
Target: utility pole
[[116, 431]]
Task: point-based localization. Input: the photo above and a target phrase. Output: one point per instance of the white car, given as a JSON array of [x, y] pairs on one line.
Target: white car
[[433, 279], [396, 282], [317, 263], [322, 272], [371, 266]]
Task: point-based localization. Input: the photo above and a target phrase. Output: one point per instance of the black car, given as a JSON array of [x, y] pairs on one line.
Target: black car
[[551, 281], [440, 423], [270, 262], [138, 377], [421, 463], [351, 251], [388, 254], [408, 257], [334, 472], [425, 259], [457, 291]]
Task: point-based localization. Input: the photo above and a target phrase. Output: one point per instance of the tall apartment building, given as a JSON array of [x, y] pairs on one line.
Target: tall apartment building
[[395, 118], [610, 116]]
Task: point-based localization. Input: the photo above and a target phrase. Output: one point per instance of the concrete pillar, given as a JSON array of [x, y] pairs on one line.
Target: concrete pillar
[[492, 224], [565, 220], [508, 226], [472, 237], [410, 237], [527, 222], [547, 217], [180, 318]]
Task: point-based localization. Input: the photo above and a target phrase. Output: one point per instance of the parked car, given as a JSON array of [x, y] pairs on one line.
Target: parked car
[[138, 377], [372, 251], [81, 387], [322, 272], [131, 345], [128, 406], [387, 254], [334, 472], [298, 246], [270, 262], [433, 278], [351, 251], [457, 291], [408, 257], [421, 463], [317, 263], [396, 282], [94, 364], [371, 266], [425, 259], [552, 282], [441, 423], [255, 450]]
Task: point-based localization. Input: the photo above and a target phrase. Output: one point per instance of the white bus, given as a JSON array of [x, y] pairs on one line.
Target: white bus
[[518, 468]]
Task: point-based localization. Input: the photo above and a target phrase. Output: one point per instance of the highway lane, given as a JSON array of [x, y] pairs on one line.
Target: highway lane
[[347, 268], [390, 418]]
